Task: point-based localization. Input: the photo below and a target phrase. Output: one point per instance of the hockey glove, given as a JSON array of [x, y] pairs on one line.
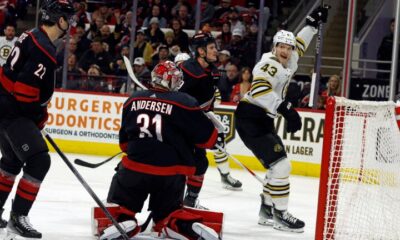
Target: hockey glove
[[220, 142], [318, 15], [292, 117]]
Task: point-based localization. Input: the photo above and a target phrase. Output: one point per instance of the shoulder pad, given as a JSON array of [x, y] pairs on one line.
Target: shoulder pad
[[192, 68]]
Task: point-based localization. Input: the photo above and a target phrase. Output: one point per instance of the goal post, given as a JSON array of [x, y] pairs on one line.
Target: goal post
[[359, 192]]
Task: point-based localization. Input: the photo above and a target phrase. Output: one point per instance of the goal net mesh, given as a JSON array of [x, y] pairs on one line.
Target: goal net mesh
[[363, 188]]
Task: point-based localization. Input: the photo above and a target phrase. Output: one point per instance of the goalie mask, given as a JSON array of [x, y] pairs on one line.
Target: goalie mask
[[285, 37], [167, 76]]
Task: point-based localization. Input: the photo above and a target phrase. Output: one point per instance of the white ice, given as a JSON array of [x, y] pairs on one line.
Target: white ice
[[63, 207]]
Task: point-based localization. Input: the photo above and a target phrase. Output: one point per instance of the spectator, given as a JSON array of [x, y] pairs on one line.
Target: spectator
[[142, 47], [223, 60], [226, 84], [236, 47], [73, 73], [95, 55], [185, 18], [385, 53], [96, 78], [250, 42], [142, 73], [72, 47], [169, 39], [175, 9], [333, 89], [7, 42], [226, 35], [82, 16], [154, 33], [118, 66], [155, 13], [293, 94], [161, 55], [111, 39], [234, 20], [243, 86], [207, 12], [103, 12], [181, 38], [94, 30], [222, 10], [83, 43]]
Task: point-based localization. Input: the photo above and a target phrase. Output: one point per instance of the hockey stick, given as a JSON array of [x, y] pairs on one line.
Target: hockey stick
[[261, 180], [85, 185], [94, 165], [131, 74], [315, 78]]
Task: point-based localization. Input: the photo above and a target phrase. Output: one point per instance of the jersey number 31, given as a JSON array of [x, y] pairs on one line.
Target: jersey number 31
[[150, 126]]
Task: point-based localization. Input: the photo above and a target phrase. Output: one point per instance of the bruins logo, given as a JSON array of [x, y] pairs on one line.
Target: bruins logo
[[278, 148], [226, 116], [5, 51]]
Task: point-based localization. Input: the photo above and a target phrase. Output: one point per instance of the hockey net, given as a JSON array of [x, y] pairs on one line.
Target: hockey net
[[359, 194]]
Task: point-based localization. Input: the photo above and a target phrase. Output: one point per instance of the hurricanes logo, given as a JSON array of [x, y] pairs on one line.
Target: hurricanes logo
[[227, 118], [5, 51], [278, 148]]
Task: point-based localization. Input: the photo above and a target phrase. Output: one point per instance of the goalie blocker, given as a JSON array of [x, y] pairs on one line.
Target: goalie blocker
[[185, 223]]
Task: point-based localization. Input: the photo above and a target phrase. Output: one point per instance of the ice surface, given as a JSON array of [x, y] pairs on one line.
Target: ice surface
[[63, 207]]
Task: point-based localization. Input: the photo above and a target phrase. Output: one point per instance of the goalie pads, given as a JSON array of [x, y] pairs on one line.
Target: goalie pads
[[100, 221], [188, 223]]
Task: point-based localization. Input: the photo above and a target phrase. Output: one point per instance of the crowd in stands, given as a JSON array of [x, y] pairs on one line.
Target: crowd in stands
[[101, 34]]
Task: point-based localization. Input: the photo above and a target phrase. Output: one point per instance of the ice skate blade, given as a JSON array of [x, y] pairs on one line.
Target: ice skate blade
[[286, 229], [229, 187], [266, 222]]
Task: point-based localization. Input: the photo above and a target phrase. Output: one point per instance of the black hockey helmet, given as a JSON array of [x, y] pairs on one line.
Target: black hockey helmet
[[52, 10], [201, 39]]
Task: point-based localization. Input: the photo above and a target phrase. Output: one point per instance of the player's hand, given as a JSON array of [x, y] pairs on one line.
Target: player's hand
[[318, 15], [292, 117], [220, 142]]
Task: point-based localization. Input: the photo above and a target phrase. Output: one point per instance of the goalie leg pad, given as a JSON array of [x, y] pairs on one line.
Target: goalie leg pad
[[100, 221], [181, 222]]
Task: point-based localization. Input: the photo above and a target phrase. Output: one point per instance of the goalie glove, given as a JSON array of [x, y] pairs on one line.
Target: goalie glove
[[292, 117], [318, 15]]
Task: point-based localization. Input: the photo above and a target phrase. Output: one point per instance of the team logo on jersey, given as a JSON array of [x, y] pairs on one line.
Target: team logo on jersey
[[278, 148], [226, 116], [5, 51]]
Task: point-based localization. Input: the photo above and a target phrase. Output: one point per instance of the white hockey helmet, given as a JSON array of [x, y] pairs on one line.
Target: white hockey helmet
[[180, 57], [285, 37]]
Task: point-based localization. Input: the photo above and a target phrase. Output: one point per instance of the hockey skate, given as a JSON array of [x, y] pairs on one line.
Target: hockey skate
[[230, 183], [191, 200], [19, 225], [130, 227], [284, 221], [265, 214]]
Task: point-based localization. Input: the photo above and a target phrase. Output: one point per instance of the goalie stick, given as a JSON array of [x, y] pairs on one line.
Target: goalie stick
[[94, 165], [85, 184], [217, 123]]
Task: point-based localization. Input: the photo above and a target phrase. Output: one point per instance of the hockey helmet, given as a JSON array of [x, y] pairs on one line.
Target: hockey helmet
[[285, 37], [167, 76], [201, 39], [52, 10], [180, 57]]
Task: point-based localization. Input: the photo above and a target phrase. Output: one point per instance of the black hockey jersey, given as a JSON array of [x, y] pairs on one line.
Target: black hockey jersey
[[159, 131], [27, 78], [200, 82]]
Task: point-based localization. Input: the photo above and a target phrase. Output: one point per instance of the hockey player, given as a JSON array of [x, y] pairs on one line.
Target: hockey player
[[255, 120], [159, 130], [26, 87], [200, 79]]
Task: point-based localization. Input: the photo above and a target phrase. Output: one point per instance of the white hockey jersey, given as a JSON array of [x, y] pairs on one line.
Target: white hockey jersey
[[271, 79], [5, 48]]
